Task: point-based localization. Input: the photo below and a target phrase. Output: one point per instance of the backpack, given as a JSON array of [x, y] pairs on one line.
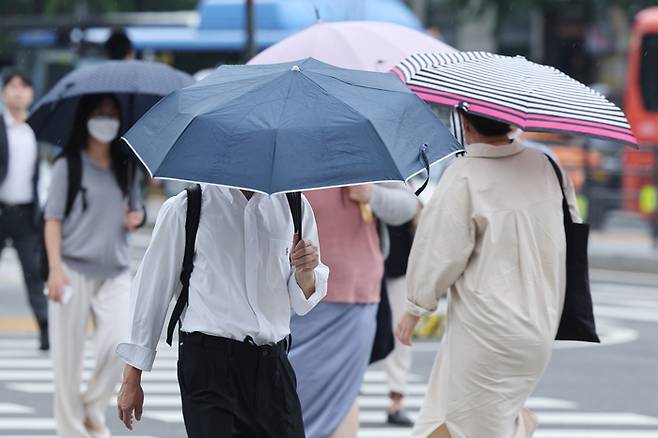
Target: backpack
[[192, 217]]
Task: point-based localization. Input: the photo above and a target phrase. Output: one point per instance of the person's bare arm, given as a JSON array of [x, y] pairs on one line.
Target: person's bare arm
[[56, 277]]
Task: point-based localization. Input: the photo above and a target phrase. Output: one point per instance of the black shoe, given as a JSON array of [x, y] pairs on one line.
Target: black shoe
[[399, 418], [44, 342]]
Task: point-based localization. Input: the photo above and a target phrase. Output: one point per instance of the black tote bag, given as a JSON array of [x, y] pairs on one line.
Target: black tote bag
[[577, 322]]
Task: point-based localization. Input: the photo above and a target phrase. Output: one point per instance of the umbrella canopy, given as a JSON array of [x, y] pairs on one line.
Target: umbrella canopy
[[290, 127], [362, 45], [138, 85], [514, 90]]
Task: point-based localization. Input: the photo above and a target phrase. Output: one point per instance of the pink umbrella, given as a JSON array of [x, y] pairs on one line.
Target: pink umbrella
[[362, 45]]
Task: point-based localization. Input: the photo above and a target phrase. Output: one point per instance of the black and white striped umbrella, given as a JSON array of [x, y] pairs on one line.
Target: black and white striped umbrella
[[514, 90]]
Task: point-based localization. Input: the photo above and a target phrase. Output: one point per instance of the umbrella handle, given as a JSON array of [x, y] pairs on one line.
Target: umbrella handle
[[426, 163], [366, 212]]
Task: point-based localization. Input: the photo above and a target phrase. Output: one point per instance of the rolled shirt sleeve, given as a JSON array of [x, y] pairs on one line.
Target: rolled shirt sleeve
[[154, 285], [300, 304]]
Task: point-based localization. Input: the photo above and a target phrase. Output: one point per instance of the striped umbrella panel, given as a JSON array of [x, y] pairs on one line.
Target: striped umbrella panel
[[514, 90]]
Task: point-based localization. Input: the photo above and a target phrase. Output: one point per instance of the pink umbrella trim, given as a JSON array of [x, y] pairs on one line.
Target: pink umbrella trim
[[524, 116], [530, 125]]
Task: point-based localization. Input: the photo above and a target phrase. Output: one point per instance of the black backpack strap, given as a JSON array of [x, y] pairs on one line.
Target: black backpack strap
[[295, 203], [74, 165], [191, 227], [565, 205]]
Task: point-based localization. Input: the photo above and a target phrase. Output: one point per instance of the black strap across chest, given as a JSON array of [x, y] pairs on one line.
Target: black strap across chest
[[192, 219]]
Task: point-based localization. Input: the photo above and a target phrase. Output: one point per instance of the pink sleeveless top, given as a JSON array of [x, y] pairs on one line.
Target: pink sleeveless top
[[348, 246]]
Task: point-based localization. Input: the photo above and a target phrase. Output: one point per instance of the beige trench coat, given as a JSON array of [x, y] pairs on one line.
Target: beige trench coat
[[492, 234]]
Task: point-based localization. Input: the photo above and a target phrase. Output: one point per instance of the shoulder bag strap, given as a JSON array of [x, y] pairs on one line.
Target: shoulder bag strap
[[74, 171], [565, 205], [191, 228]]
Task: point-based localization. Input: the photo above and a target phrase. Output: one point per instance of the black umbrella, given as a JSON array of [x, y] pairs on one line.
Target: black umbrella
[[138, 85]]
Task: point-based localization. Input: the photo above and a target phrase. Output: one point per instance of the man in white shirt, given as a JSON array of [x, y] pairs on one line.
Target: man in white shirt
[[249, 270], [19, 204]]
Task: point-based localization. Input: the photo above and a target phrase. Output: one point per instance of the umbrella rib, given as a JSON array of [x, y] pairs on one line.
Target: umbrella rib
[[276, 137]]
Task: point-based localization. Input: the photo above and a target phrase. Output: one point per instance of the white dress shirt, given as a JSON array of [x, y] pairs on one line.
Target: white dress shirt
[[242, 283], [17, 188]]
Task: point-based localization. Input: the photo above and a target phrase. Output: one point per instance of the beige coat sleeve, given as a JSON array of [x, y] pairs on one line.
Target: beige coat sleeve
[[443, 244]]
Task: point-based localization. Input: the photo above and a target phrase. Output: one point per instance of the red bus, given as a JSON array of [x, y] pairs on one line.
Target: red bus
[[641, 108]]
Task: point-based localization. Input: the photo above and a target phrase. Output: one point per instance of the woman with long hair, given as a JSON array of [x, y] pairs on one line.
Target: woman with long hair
[[93, 203]]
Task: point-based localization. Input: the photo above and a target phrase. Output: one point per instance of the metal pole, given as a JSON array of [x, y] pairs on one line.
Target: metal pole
[[250, 49]]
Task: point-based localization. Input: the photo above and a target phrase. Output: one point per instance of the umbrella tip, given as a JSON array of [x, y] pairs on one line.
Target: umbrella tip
[[295, 68]]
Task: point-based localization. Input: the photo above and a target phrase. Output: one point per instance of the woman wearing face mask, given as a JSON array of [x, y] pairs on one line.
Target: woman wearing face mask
[[86, 240]]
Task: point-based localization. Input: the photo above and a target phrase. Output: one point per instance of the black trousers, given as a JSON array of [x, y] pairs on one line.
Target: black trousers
[[232, 389], [17, 224]]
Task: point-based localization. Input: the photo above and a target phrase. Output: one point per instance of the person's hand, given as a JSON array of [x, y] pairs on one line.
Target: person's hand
[[57, 280], [406, 327], [133, 219], [361, 193], [131, 396], [305, 255], [305, 258]]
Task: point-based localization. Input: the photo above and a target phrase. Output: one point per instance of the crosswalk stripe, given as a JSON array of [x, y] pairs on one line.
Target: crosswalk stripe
[[46, 363], [47, 375], [26, 370], [47, 388], [55, 436], [595, 433], [626, 313], [23, 424], [549, 403], [11, 408], [381, 432], [368, 402], [157, 375], [552, 418], [165, 416], [596, 418], [379, 389], [415, 402], [158, 401]]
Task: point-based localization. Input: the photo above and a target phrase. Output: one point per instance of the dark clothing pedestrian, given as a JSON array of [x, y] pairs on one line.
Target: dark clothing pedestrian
[[19, 211], [16, 225], [237, 389]]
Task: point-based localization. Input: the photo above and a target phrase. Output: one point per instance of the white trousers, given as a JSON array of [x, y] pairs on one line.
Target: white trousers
[[106, 303], [398, 363]]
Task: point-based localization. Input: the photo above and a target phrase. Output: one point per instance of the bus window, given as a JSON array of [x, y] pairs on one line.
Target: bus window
[[649, 72]]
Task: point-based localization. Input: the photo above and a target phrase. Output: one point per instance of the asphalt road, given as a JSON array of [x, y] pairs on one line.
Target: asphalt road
[[588, 391]]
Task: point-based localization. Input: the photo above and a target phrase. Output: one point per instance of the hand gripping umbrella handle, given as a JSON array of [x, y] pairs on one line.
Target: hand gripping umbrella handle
[[426, 162]]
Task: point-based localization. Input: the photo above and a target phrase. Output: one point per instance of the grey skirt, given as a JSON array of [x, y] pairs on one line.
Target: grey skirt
[[331, 348]]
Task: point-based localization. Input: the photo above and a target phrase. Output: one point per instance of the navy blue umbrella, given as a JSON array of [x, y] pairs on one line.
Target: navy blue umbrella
[[290, 127], [138, 85]]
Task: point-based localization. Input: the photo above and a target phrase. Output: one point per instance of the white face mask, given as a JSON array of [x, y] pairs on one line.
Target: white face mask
[[103, 128]]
